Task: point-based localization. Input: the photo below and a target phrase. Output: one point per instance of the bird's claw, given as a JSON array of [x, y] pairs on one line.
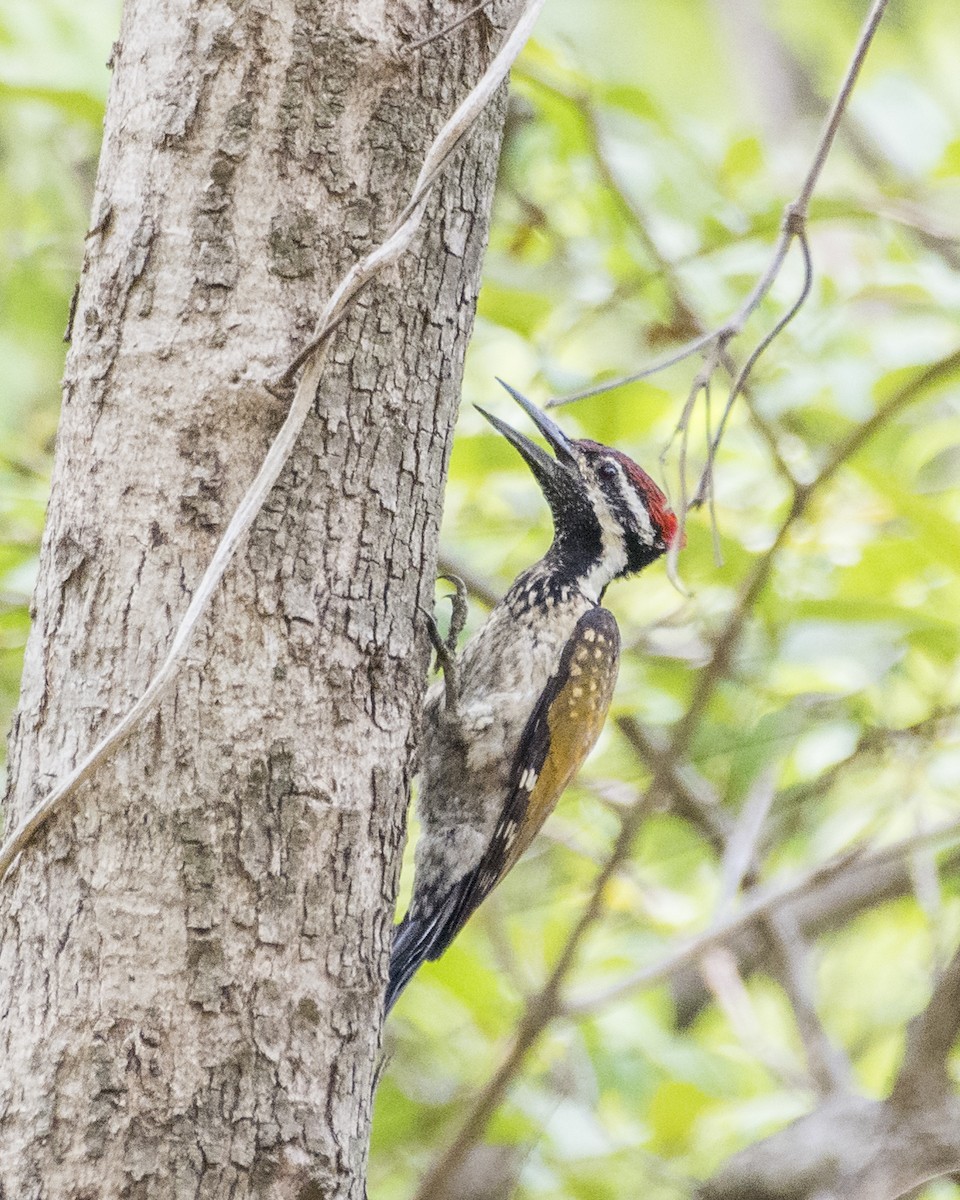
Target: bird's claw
[[445, 648]]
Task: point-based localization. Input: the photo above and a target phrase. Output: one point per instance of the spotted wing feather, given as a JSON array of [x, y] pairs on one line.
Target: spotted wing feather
[[557, 738]]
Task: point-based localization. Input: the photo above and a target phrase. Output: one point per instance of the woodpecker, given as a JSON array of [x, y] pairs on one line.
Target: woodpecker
[[521, 707]]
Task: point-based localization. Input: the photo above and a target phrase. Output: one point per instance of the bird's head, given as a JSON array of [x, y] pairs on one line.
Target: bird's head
[[610, 519]]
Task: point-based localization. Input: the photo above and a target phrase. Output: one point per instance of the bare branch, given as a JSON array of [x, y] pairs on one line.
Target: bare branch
[[740, 853], [848, 1148], [693, 797], [700, 385], [829, 1067], [852, 1149], [915, 387], [930, 1039], [759, 902], [839, 106], [687, 350], [732, 997], [684, 313], [786, 927], [829, 904]]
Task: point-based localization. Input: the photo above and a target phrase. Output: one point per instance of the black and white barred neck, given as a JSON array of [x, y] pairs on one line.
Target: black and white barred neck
[[610, 520]]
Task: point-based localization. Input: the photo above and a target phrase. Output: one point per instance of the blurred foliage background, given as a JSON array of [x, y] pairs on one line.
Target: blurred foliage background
[[650, 150]]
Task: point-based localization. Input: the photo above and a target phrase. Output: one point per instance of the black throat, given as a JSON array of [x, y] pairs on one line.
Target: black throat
[[563, 571]]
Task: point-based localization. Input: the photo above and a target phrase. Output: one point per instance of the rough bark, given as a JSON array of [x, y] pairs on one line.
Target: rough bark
[[191, 965]]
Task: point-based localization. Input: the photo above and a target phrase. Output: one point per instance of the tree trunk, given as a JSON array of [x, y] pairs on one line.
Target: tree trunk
[[192, 959]]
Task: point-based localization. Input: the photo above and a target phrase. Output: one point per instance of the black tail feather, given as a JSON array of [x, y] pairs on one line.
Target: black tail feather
[[424, 933], [404, 960]]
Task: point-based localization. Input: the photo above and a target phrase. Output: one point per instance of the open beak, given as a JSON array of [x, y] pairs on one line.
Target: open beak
[[546, 470]]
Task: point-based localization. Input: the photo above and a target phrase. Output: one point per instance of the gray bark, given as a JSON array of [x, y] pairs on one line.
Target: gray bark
[[192, 961]]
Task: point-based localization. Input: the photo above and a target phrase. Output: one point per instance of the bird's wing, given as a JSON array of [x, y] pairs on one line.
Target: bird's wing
[[559, 735]]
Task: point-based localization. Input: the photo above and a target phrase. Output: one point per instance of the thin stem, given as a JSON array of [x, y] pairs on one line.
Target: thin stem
[[678, 356], [741, 379], [839, 107], [433, 37]]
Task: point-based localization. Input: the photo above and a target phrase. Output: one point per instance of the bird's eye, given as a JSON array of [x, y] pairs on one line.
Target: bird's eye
[[607, 469]]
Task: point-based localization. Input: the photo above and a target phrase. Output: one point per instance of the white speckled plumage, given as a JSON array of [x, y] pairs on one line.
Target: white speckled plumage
[[468, 756], [532, 688]]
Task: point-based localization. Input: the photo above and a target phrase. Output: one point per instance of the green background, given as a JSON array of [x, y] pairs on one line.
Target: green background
[[650, 150]]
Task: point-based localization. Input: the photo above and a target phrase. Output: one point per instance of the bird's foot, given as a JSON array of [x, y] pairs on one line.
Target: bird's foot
[[445, 648]]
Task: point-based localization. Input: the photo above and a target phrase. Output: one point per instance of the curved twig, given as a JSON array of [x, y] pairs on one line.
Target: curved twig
[[703, 488]]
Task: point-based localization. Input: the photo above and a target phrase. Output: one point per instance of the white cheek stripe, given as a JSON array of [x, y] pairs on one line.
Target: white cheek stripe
[[614, 554], [637, 507]]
